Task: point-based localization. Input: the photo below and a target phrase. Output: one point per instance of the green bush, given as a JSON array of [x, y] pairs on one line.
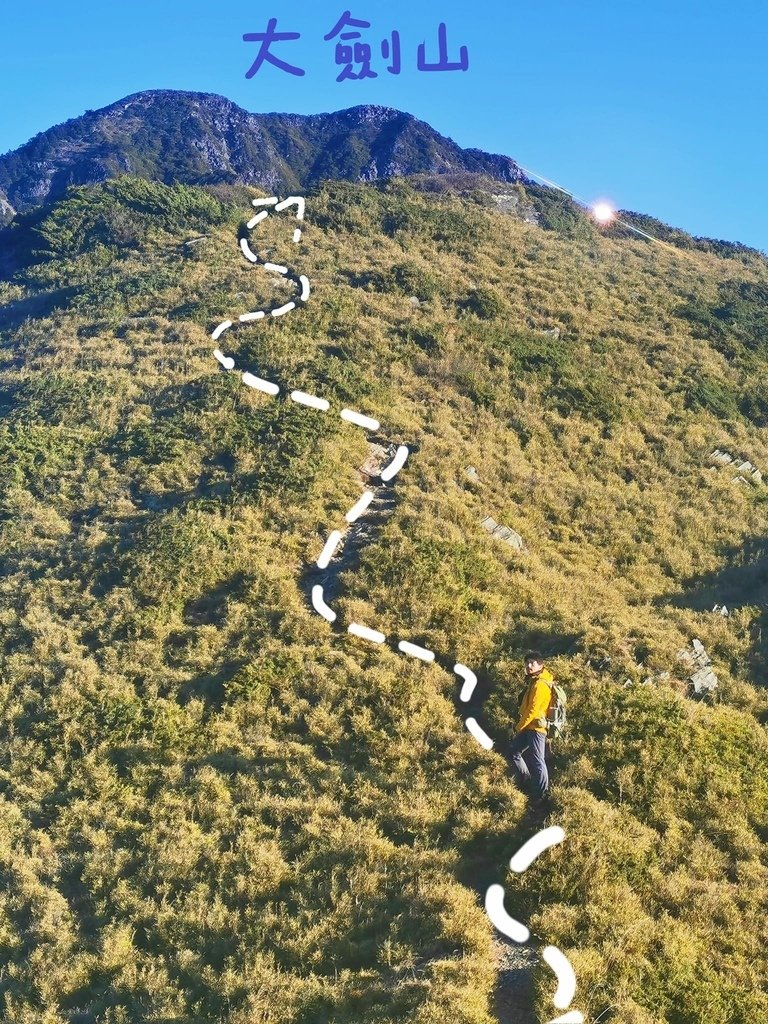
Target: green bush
[[753, 403], [701, 391], [121, 215], [484, 303], [414, 279], [558, 212]]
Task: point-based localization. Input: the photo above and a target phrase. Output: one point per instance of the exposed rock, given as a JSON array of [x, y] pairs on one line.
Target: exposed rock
[[378, 457], [7, 212], [741, 466], [700, 655], [659, 677], [511, 203], [722, 458], [507, 203], [703, 679], [503, 533]]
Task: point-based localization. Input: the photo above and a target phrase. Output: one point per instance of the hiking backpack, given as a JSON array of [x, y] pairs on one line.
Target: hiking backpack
[[556, 712]]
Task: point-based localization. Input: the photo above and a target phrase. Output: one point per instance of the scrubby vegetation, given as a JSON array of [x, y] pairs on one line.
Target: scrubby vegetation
[[215, 808]]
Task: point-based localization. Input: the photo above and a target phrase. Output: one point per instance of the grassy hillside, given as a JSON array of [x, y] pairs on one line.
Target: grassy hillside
[[216, 808]]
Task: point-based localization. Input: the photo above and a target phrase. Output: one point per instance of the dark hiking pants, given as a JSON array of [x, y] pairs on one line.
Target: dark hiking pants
[[528, 762]]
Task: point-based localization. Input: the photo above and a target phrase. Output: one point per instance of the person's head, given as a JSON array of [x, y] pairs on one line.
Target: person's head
[[534, 663]]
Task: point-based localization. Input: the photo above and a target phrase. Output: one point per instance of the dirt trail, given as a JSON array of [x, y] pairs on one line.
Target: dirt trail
[[513, 995]]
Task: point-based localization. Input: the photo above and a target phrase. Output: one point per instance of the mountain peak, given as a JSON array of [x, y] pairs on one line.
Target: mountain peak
[[148, 97], [374, 112], [201, 138]]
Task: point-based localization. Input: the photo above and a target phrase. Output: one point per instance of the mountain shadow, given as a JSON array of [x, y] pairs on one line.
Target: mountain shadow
[[743, 580]]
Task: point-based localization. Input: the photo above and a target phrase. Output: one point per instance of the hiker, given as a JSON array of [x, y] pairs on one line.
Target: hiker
[[528, 748]]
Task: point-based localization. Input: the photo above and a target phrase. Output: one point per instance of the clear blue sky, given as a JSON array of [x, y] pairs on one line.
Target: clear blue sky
[[660, 105]]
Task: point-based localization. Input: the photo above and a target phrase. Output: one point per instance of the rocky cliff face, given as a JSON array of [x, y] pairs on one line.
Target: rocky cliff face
[[200, 138], [6, 210]]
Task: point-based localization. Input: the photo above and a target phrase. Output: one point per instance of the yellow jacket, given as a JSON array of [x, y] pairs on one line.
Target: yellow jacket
[[533, 710]]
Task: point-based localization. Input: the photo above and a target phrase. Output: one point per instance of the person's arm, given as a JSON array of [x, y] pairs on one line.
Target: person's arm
[[535, 707]]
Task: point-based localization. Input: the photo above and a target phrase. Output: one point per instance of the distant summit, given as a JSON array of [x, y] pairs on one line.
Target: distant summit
[[200, 138]]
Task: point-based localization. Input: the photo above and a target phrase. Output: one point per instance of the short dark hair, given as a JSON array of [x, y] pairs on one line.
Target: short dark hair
[[534, 656]]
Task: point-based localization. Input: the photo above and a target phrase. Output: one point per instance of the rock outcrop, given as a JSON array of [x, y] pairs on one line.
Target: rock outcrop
[[6, 210]]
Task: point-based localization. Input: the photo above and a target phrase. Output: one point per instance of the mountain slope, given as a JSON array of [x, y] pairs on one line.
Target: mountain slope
[[217, 808], [168, 135]]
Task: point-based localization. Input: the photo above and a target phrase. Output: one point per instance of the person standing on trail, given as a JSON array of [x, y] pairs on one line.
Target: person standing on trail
[[528, 747]]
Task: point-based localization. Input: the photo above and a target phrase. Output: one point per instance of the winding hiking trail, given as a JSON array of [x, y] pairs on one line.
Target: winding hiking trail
[[513, 996]]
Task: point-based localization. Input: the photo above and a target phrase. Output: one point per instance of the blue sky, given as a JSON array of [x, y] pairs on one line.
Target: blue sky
[[659, 106]]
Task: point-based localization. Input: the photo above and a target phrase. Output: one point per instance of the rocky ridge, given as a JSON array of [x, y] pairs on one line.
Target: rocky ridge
[[200, 138]]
